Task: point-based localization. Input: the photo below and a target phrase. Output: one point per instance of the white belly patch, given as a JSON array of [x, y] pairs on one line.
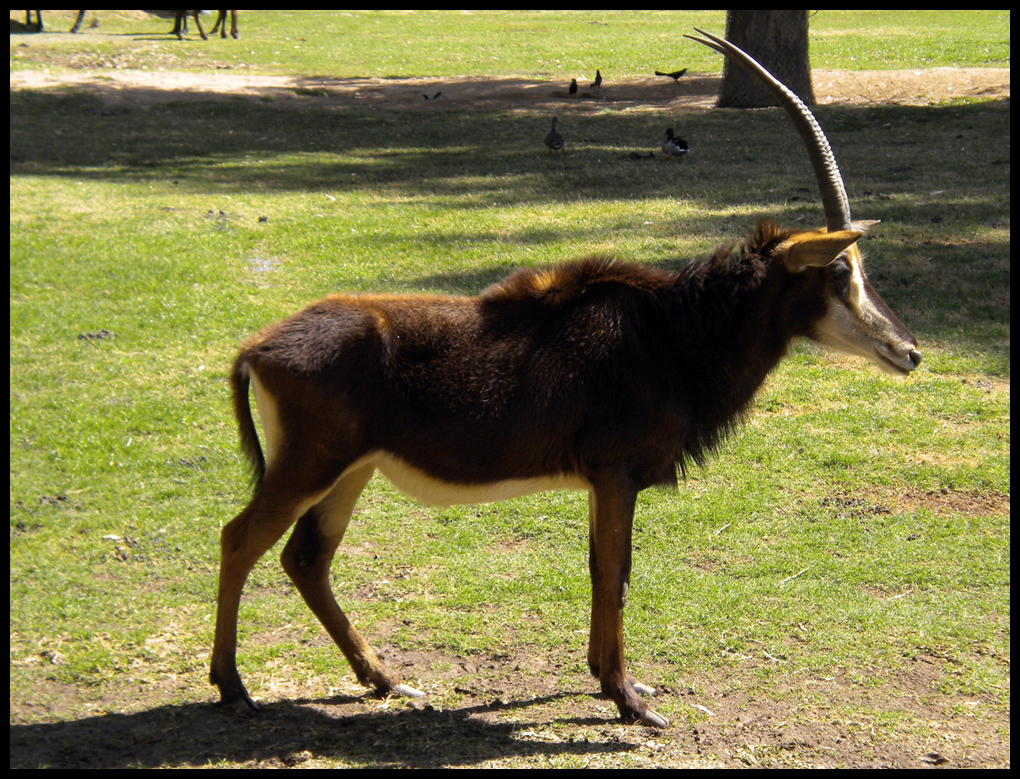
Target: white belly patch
[[436, 492]]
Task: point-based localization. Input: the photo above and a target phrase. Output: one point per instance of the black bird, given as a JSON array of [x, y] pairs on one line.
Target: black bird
[[573, 87], [597, 84], [553, 139], [434, 97], [674, 75], [674, 145]]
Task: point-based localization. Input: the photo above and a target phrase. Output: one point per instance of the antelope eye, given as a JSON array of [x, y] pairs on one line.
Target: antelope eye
[[841, 275], [840, 267]]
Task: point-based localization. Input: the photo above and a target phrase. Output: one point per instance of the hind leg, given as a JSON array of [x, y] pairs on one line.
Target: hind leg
[[276, 505], [307, 559]]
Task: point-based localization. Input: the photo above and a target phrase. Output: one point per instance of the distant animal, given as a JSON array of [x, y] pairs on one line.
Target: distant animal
[[180, 24], [597, 83], [674, 75], [674, 145], [434, 97], [553, 139], [573, 87], [39, 21], [595, 375], [221, 25]]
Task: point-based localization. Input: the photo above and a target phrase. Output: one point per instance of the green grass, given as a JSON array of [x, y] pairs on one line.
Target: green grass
[[889, 498], [538, 44]]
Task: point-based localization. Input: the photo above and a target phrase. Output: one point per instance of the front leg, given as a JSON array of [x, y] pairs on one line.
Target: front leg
[[610, 519], [198, 24]]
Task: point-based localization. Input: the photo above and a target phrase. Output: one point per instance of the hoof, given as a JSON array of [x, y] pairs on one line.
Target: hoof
[[233, 694], [242, 704], [407, 692], [653, 720]]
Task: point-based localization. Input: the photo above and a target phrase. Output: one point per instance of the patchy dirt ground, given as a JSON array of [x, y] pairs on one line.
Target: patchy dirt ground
[[901, 87], [515, 709], [512, 709]]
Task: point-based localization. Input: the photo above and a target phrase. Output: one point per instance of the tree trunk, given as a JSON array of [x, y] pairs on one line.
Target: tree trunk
[[779, 41]]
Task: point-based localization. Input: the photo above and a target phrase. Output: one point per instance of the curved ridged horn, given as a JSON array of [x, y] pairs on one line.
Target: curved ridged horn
[[830, 182]]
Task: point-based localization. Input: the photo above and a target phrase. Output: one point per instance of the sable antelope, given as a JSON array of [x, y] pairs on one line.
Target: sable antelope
[[596, 375]]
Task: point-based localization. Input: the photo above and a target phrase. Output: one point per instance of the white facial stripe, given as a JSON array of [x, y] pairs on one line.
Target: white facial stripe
[[859, 325]]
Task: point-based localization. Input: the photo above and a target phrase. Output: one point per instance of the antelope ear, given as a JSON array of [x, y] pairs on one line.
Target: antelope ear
[[814, 250]]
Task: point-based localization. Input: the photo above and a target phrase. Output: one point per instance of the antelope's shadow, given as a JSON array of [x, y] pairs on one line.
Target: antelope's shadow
[[289, 733]]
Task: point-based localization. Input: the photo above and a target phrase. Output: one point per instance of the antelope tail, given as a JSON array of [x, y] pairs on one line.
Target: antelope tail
[[240, 379]]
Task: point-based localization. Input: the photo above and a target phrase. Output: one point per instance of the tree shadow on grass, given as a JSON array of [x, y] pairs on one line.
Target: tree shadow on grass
[[945, 285], [286, 734]]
